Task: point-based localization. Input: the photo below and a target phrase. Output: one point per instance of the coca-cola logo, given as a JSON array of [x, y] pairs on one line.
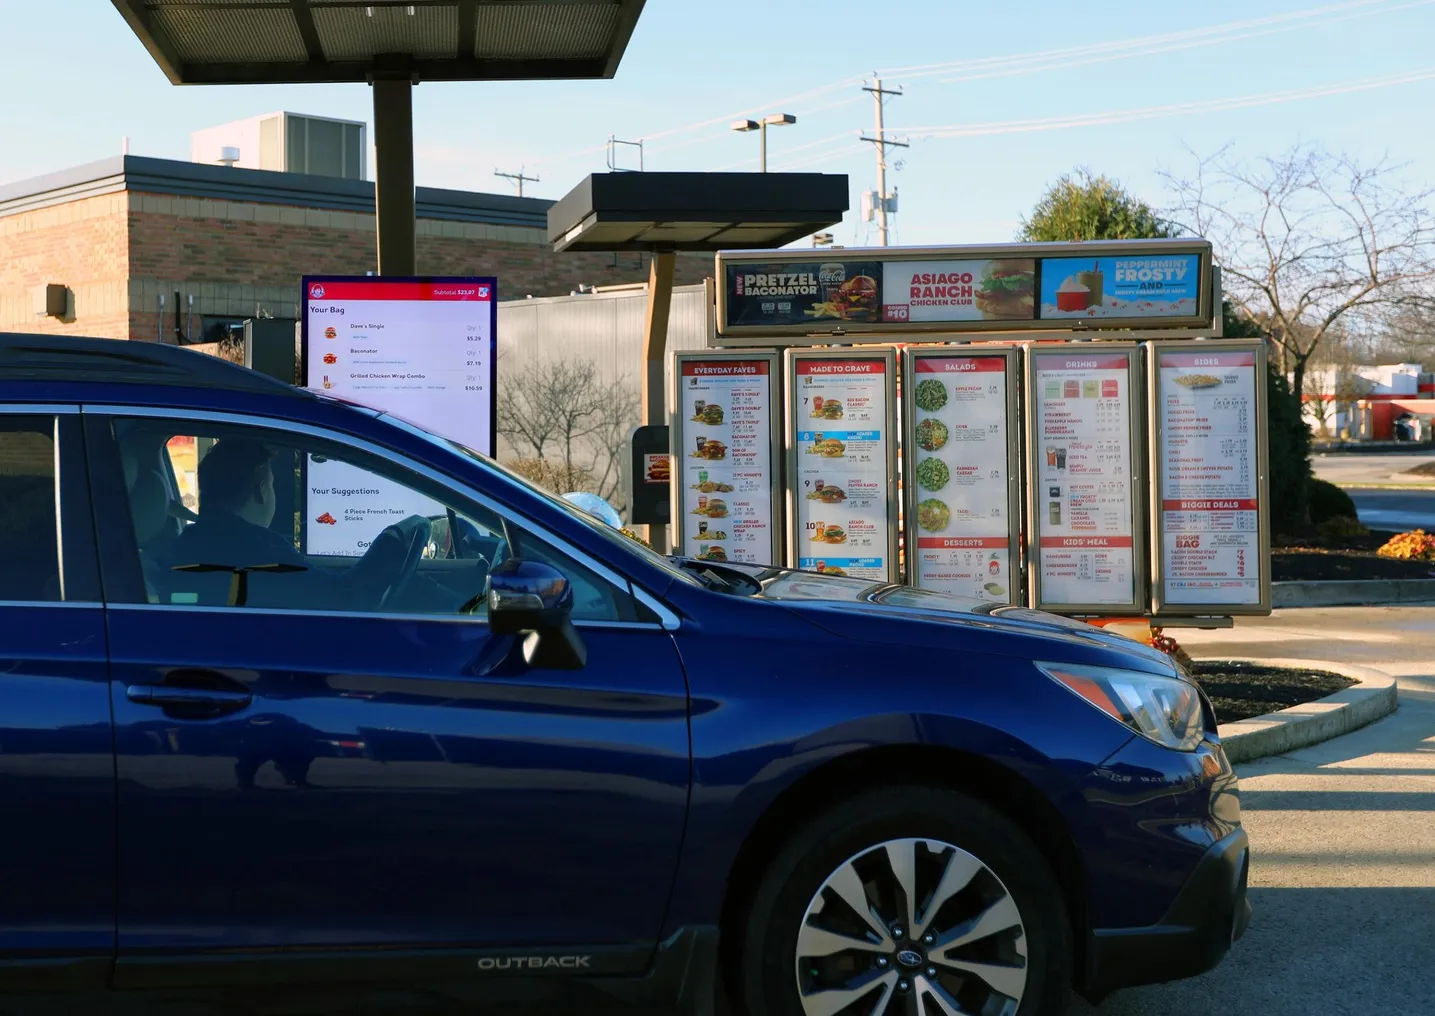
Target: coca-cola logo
[[831, 274]]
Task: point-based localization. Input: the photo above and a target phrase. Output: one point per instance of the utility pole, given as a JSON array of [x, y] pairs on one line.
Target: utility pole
[[881, 143], [518, 178]]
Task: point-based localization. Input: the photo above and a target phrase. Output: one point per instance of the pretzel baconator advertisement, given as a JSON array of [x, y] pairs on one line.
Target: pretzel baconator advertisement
[[803, 293]]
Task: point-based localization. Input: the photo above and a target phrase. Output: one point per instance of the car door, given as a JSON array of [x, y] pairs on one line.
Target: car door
[[303, 768], [57, 793]]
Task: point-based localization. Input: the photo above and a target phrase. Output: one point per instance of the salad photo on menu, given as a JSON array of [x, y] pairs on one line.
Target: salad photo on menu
[[959, 526]]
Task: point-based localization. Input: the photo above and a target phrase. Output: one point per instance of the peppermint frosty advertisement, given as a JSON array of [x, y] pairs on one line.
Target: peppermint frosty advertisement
[[1121, 287]]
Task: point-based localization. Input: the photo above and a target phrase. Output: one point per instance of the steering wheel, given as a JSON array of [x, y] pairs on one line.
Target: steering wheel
[[418, 541]]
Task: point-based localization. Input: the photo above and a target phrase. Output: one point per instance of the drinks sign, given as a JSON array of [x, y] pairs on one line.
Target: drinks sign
[[1083, 478]]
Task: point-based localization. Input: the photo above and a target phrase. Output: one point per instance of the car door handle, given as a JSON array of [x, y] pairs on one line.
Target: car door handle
[[206, 699]]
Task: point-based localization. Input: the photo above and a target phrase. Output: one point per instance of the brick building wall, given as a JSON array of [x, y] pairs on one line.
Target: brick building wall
[[240, 258], [121, 233], [81, 244]]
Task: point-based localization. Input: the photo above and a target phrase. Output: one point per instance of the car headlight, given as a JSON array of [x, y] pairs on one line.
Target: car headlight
[[1166, 710]]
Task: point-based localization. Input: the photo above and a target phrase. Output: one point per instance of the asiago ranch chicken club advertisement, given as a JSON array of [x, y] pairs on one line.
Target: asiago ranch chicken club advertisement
[[840, 408], [727, 470], [963, 541]]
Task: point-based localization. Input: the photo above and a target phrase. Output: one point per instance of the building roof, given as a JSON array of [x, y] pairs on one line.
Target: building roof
[[223, 183], [290, 41]]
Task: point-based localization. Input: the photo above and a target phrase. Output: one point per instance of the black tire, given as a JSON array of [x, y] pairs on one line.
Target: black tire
[[765, 980]]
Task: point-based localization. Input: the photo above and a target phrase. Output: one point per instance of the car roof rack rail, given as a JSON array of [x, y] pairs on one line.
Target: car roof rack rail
[[39, 357]]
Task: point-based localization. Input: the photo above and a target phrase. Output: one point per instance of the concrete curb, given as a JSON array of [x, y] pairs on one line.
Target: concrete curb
[[1351, 592], [1391, 485], [1310, 722]]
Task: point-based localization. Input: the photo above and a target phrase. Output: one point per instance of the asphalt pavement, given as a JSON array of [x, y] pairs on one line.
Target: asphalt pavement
[[1342, 840], [1383, 508]]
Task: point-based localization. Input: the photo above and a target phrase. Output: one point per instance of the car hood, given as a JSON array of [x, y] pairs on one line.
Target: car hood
[[850, 607]]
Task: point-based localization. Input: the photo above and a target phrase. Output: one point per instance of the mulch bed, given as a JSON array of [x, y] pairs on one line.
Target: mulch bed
[[1424, 469], [1242, 690], [1306, 564]]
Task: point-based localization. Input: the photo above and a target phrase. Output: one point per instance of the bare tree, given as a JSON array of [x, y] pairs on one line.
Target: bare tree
[[1308, 238], [1406, 334], [569, 422]]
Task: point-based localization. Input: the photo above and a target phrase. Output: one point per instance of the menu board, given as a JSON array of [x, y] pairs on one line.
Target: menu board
[[803, 292], [987, 290], [843, 449], [804, 297], [422, 349], [959, 450], [1081, 495], [726, 505], [1210, 477], [1145, 286]]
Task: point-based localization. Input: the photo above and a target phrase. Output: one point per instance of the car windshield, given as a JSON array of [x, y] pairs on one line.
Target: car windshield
[[595, 525]]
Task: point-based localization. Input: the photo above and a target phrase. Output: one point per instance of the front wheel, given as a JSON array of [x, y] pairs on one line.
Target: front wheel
[[907, 902]]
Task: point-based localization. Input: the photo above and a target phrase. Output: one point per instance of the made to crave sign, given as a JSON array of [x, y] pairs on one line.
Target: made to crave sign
[[1210, 513], [842, 445]]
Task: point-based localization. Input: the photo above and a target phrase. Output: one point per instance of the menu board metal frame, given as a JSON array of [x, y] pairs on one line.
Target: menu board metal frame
[[820, 331], [682, 496], [886, 355], [1015, 465], [1140, 601], [1263, 514]]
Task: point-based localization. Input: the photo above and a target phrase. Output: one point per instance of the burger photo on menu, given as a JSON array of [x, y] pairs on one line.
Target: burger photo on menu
[[1008, 290]]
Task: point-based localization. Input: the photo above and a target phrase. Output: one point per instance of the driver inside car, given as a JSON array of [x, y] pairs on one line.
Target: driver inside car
[[237, 504]]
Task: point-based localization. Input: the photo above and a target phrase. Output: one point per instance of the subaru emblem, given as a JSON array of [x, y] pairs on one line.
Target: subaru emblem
[[909, 958]]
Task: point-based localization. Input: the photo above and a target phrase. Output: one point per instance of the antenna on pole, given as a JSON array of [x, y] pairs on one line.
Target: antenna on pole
[[884, 202], [517, 178], [613, 144]]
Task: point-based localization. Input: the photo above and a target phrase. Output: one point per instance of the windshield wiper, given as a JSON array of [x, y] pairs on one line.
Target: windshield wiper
[[709, 578]]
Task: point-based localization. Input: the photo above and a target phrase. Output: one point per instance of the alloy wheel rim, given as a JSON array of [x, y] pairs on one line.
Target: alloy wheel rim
[[912, 927]]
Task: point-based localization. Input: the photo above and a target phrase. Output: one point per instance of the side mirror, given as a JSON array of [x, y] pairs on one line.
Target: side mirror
[[535, 600]]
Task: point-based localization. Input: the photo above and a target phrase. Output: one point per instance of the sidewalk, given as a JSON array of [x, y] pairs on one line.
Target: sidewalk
[[1355, 470], [1342, 840]]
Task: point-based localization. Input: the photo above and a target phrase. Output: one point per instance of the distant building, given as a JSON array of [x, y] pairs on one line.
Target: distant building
[[1361, 402], [92, 250]]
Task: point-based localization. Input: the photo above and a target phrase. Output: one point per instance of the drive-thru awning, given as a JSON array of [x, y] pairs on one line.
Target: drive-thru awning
[[392, 46]]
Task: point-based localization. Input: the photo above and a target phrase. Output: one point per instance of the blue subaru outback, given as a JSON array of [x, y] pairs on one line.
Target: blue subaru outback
[[503, 748]]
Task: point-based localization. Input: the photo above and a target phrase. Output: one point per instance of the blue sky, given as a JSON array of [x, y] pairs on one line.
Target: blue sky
[[72, 93]]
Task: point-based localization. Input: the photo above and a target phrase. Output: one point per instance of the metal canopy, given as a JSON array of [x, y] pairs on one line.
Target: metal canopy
[[695, 211], [213, 42]]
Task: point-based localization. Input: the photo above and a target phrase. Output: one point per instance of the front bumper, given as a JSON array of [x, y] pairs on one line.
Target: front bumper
[[1208, 916]]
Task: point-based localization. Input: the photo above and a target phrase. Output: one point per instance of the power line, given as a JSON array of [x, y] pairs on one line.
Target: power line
[[1174, 109], [518, 178]]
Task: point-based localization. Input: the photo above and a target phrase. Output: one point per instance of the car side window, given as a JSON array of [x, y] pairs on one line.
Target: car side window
[[255, 517], [29, 521]]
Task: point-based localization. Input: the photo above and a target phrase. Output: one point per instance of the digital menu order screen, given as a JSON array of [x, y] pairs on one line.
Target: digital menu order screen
[[840, 430], [421, 349], [959, 453], [726, 479], [1082, 493], [1210, 480]]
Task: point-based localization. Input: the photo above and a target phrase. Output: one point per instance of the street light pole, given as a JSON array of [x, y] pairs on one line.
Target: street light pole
[[775, 120]]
